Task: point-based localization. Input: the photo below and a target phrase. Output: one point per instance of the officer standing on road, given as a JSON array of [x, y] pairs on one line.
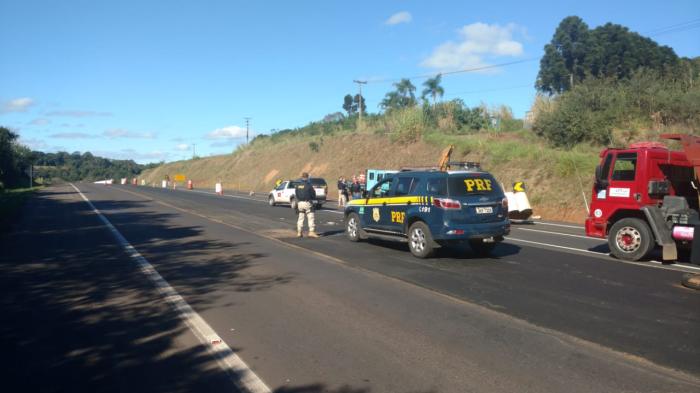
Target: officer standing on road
[[305, 195]]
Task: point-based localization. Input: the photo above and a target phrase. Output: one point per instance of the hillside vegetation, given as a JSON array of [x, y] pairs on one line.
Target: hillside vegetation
[[549, 174]]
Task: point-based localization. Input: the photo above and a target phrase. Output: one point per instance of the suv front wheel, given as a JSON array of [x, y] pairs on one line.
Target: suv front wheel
[[420, 240], [352, 227]]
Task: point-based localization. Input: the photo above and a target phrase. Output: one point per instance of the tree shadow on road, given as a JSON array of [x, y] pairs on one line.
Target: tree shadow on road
[[79, 315]]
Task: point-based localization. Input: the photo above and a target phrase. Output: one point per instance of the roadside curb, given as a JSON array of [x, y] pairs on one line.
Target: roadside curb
[[691, 280]]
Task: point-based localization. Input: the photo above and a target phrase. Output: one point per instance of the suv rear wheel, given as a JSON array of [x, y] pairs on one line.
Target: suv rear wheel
[[630, 239], [420, 240], [293, 203]]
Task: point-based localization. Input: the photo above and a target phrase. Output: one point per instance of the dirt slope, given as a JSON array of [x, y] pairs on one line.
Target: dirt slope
[[554, 192]]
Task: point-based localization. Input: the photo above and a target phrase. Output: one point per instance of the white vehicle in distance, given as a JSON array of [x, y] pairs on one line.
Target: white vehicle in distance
[[285, 192]]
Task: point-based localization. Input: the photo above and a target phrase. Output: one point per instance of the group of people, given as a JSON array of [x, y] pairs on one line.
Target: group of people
[[348, 190], [305, 195]]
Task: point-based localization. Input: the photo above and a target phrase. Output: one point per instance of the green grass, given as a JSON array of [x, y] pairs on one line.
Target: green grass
[[10, 203]]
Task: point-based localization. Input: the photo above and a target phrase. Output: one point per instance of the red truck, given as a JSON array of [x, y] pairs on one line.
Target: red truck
[[646, 196]]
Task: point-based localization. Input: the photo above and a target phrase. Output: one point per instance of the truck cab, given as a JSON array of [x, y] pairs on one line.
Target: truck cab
[[639, 195]]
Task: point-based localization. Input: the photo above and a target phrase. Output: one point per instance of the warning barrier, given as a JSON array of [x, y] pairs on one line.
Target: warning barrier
[[219, 189]]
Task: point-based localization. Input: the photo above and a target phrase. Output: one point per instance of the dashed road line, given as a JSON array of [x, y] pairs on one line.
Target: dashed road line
[[652, 264], [241, 375], [559, 233]]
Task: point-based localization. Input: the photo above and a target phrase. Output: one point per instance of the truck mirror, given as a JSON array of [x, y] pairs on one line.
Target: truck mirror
[[600, 180]]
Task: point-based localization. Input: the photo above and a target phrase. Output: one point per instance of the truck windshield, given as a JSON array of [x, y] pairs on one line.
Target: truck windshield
[[625, 167]]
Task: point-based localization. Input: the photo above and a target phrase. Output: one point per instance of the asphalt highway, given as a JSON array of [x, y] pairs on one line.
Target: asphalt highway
[[549, 311]]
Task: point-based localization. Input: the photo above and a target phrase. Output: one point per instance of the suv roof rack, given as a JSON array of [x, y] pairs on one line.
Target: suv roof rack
[[419, 168], [465, 165]]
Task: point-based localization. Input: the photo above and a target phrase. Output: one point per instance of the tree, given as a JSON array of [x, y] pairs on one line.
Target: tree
[[564, 57], [433, 88], [402, 97], [348, 105], [333, 117], [609, 51]]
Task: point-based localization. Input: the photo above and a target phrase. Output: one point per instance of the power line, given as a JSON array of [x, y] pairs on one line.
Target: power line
[[425, 76], [660, 30], [677, 30], [488, 90], [360, 99]]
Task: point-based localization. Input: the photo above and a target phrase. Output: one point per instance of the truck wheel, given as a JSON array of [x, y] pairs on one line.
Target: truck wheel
[[353, 228], [293, 203], [420, 241], [480, 248], [630, 239], [271, 200]]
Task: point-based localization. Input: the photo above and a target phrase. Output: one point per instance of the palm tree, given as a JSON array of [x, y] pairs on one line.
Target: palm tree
[[407, 92], [403, 97], [433, 88]]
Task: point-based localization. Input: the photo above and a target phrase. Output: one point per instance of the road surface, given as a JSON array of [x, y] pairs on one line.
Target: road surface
[[550, 311]]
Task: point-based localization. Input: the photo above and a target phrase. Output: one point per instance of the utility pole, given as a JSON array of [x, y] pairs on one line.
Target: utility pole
[[359, 103], [247, 128], [193, 151]]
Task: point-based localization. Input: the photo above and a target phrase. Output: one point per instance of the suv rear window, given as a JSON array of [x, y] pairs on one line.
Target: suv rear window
[[317, 182], [472, 184]]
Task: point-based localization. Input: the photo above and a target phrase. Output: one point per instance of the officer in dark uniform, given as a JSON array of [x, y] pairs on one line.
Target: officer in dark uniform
[[305, 195]]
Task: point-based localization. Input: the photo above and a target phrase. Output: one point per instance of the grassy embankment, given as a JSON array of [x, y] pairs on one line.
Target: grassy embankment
[[550, 174], [11, 201]]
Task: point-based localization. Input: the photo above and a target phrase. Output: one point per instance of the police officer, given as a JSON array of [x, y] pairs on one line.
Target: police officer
[[305, 195]]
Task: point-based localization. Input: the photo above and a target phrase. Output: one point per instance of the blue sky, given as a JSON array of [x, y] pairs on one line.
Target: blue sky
[[147, 79]]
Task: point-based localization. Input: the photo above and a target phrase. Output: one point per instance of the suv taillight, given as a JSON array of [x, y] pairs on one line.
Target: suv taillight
[[446, 203], [504, 203]]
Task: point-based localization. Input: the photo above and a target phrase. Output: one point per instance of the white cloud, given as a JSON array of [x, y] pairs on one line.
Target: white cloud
[[39, 122], [16, 105], [73, 135], [131, 154], [78, 113], [122, 133], [476, 42], [33, 143], [229, 132], [399, 17], [182, 147]]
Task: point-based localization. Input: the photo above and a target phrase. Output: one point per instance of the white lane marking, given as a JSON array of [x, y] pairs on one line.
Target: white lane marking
[[241, 375], [556, 246], [559, 233], [558, 225], [656, 264], [684, 265]]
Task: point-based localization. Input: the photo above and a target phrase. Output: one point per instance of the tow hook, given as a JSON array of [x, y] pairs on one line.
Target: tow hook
[[489, 240]]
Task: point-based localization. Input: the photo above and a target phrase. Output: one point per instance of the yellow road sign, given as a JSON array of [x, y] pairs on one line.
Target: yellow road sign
[[180, 177]]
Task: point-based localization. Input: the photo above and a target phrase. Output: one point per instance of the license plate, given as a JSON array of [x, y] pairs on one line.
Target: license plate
[[484, 210]]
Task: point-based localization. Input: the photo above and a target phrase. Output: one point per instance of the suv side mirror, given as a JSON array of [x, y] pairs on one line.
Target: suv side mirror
[[600, 180]]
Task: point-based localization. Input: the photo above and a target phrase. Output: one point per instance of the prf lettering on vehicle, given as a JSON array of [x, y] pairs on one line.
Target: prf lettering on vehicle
[[398, 217], [477, 184]]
